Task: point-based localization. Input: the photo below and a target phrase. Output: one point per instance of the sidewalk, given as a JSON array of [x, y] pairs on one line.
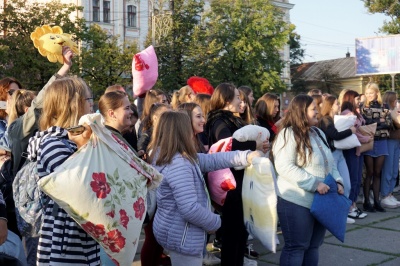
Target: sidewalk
[[374, 240]]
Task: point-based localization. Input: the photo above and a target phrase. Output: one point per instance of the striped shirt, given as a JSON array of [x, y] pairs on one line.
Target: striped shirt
[[62, 241]]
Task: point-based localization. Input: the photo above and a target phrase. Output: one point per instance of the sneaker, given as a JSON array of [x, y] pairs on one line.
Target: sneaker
[[394, 200], [250, 252], [211, 259], [396, 189], [249, 262], [356, 213], [387, 202], [350, 220], [217, 244]]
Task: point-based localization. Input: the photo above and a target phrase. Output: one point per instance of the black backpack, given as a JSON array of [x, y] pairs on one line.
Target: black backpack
[[6, 181]]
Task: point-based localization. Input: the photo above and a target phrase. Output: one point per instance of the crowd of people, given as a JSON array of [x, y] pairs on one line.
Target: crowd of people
[[173, 133]]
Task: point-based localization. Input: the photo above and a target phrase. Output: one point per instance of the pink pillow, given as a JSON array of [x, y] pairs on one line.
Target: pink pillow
[[144, 71], [221, 181]]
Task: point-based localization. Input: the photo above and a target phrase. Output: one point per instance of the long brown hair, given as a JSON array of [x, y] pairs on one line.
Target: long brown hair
[[296, 118], [223, 94], [247, 115], [265, 106], [151, 97], [173, 134], [348, 102], [327, 105]]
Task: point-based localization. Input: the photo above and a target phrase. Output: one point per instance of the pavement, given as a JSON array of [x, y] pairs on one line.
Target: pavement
[[374, 240]]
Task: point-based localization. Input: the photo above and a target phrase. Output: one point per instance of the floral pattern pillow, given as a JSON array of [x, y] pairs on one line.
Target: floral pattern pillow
[[103, 187]]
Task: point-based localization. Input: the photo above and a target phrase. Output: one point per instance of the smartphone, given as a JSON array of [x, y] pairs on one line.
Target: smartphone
[[76, 130], [3, 105]]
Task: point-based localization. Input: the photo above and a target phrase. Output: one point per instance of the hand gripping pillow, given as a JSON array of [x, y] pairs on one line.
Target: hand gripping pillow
[[259, 202], [343, 122], [331, 209], [103, 187], [221, 181], [144, 71], [250, 132]]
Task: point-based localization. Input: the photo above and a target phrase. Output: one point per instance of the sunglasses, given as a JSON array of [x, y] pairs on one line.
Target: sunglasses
[[76, 130]]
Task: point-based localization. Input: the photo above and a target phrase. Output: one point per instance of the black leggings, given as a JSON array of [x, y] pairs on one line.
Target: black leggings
[[373, 166]]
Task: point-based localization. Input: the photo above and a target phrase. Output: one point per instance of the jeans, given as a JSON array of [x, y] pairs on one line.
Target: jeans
[[390, 167], [343, 170], [355, 166], [302, 233], [105, 259], [179, 259]]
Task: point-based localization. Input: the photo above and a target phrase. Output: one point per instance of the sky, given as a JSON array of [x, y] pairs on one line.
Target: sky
[[328, 29]]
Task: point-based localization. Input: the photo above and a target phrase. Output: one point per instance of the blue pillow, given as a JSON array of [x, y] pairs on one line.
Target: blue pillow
[[331, 209]]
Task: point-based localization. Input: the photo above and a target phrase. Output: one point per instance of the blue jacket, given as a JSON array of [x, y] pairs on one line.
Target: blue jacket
[[183, 215]]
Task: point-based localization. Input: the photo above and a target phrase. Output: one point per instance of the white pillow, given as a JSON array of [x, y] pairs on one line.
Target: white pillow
[[103, 187], [250, 132], [344, 122], [259, 202]]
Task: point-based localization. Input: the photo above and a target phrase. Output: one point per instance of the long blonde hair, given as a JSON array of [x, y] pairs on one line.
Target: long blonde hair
[[173, 134], [64, 103]]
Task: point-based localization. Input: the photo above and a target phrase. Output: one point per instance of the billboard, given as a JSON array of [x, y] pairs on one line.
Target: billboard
[[378, 55]]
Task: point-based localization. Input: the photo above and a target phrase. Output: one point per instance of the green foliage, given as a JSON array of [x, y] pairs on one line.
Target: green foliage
[[19, 57], [296, 52], [244, 40], [236, 41], [104, 61], [174, 48], [390, 8]]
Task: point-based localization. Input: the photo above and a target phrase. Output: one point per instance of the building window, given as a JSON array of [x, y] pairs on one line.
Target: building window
[[106, 11], [96, 10], [132, 15]]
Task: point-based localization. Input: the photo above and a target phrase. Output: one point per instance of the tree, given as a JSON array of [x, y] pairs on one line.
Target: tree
[[173, 50], [241, 43], [19, 57], [329, 77], [296, 52], [104, 61], [390, 8]]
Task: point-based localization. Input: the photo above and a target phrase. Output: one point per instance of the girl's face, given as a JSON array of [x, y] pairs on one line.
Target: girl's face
[[357, 101], [242, 107], [198, 120], [122, 116], [234, 105], [88, 108], [162, 98], [335, 107], [312, 114], [371, 95], [276, 108], [251, 98]]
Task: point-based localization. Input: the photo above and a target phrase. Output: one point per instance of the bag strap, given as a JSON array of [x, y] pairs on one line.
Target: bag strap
[[320, 147], [321, 137]]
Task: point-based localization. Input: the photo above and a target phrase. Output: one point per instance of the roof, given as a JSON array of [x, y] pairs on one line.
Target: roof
[[345, 67]]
